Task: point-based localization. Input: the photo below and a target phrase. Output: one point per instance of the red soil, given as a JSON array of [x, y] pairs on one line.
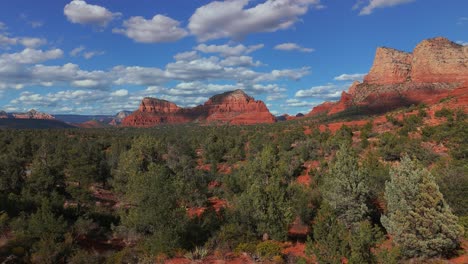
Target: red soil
[[305, 177]]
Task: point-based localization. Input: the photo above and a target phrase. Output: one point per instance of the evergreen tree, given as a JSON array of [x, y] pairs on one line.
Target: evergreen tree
[[362, 240], [330, 244], [155, 212], [266, 202], [346, 187], [418, 217]]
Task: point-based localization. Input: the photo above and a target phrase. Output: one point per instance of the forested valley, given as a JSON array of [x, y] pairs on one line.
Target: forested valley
[[251, 193]]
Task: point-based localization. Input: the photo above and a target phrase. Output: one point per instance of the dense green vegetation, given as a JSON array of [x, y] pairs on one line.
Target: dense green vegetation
[[136, 195]]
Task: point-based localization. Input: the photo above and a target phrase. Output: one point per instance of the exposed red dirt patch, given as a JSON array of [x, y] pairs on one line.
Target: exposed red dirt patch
[[305, 177]]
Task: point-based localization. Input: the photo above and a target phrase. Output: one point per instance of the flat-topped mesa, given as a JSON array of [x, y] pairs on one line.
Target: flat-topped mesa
[[154, 105], [440, 60], [153, 111], [233, 107], [390, 66]]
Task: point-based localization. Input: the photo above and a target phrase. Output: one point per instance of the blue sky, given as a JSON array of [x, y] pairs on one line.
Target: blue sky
[[103, 56]]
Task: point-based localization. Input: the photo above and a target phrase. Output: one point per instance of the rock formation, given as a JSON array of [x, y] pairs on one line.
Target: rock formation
[[3, 115], [390, 66], [33, 114], [436, 67], [234, 107], [117, 120], [439, 60]]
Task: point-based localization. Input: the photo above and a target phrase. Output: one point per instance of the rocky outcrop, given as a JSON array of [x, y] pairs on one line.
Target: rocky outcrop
[[117, 120], [153, 111], [436, 67], [3, 115], [323, 108], [33, 114], [234, 107], [390, 66], [439, 60]]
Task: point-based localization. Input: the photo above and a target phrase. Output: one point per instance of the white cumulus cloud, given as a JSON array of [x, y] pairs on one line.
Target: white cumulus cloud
[[158, 29], [350, 77], [375, 4], [235, 19], [121, 92], [329, 91], [227, 50], [292, 47], [80, 12]]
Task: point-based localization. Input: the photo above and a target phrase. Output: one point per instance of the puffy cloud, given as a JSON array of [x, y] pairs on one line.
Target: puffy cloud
[[199, 69], [374, 4], [186, 56], [30, 56], [121, 92], [329, 92], [158, 29], [234, 19], [240, 61], [291, 47], [89, 54], [85, 83], [350, 77], [80, 12], [32, 42], [274, 97], [77, 51], [298, 103], [3, 26], [292, 74], [137, 75], [28, 42], [463, 43], [80, 50], [226, 50], [74, 101], [7, 41]]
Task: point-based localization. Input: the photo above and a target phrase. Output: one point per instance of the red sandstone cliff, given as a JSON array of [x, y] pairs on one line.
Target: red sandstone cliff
[[435, 68], [390, 66], [234, 107]]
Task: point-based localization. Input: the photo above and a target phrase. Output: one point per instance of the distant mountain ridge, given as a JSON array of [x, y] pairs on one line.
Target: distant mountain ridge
[[31, 114]]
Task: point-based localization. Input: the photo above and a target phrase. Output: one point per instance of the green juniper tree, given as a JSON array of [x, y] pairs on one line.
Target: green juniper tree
[[362, 240], [330, 242], [346, 187], [418, 217]]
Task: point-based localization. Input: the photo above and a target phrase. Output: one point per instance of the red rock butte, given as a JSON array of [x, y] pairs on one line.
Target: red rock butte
[[435, 69], [234, 107]]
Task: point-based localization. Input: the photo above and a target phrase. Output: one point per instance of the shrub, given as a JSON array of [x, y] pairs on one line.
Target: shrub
[[463, 221], [389, 256], [268, 249], [249, 247], [199, 253]]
